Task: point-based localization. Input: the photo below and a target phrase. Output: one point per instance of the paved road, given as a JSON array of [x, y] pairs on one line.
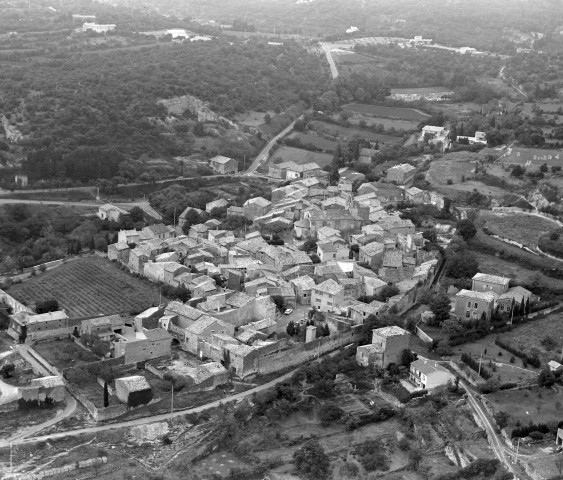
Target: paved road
[[327, 49], [496, 442], [153, 419], [263, 155]]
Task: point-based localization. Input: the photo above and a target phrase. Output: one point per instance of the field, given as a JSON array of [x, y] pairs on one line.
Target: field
[[498, 266], [523, 228], [337, 132], [315, 140], [64, 353], [388, 123], [89, 286], [300, 156], [252, 118], [419, 91], [452, 166], [387, 112], [536, 406]]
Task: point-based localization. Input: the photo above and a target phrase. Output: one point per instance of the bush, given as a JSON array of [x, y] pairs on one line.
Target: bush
[[474, 364], [531, 359]]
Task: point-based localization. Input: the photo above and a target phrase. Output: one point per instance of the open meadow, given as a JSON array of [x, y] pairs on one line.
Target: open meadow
[[89, 286], [315, 140], [386, 112], [521, 227], [300, 156], [338, 132]]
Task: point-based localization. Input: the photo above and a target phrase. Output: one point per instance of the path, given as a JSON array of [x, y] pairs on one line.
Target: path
[[264, 154], [497, 444], [327, 49], [9, 393], [153, 419]]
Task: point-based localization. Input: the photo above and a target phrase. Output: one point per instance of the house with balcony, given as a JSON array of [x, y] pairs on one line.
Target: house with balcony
[[427, 375]]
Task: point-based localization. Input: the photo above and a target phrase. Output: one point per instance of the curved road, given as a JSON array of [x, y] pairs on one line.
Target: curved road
[[263, 155], [146, 420]]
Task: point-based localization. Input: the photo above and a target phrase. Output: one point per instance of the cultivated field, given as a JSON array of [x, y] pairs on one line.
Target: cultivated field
[[315, 140], [520, 227], [337, 132], [64, 353], [89, 286], [452, 166], [419, 90], [497, 266], [300, 156], [386, 112], [387, 123], [536, 406]]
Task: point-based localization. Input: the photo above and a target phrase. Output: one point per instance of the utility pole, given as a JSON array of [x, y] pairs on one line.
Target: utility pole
[[480, 361], [11, 459], [172, 399]]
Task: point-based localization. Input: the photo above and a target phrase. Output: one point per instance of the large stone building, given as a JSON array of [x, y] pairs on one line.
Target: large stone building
[[387, 346], [26, 327], [470, 305], [483, 282]]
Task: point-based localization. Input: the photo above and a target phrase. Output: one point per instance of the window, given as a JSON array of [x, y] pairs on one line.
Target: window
[[467, 314], [476, 305], [304, 295], [468, 304], [502, 306]]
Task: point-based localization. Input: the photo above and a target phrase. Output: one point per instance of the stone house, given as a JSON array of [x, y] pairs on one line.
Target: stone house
[[111, 212], [328, 296], [143, 346], [223, 165], [360, 311], [256, 207], [184, 214], [198, 231], [513, 296], [219, 203], [44, 326], [159, 231], [303, 287], [372, 254], [402, 174], [137, 259], [470, 305], [129, 236], [40, 389], [483, 282], [202, 329], [119, 252], [133, 390], [104, 327], [387, 346], [414, 195]]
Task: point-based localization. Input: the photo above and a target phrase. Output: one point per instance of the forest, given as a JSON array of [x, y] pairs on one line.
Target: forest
[[87, 112]]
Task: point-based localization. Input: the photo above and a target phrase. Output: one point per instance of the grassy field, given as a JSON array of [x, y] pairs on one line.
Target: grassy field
[[64, 353], [536, 406], [388, 123], [498, 266], [315, 140], [386, 112], [452, 166], [523, 228], [338, 132], [300, 156], [89, 286]]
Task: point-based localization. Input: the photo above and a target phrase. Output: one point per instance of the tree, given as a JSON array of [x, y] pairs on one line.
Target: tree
[[49, 305], [440, 306], [310, 245], [136, 214], [106, 395], [430, 235], [518, 171], [466, 229], [501, 418], [462, 265], [311, 460], [546, 378], [7, 370], [544, 168], [290, 328], [326, 330], [329, 413], [452, 327]]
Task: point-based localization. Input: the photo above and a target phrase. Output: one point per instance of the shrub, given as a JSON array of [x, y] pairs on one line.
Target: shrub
[[474, 364]]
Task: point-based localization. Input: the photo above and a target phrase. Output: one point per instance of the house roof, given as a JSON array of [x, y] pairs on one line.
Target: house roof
[[487, 296], [239, 299], [393, 259], [329, 286], [220, 159], [187, 209], [200, 227], [262, 324], [403, 167], [134, 383], [260, 201], [427, 367], [120, 246], [158, 228], [326, 247], [374, 282], [392, 331], [372, 348], [487, 278], [202, 323], [372, 248], [305, 282], [369, 309], [26, 318], [183, 310], [368, 152], [157, 334]]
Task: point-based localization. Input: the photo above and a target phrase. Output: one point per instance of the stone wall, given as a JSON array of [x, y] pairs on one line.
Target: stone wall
[[13, 303], [91, 462]]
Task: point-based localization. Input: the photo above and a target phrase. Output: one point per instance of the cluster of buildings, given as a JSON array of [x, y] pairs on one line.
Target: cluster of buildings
[[488, 292], [98, 27], [387, 348]]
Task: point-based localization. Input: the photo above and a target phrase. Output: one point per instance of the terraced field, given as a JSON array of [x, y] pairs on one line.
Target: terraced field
[[89, 286]]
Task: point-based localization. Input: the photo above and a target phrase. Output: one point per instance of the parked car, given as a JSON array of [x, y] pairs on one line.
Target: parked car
[[288, 311]]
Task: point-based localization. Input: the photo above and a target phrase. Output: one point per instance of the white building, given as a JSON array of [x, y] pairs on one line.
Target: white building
[[98, 28]]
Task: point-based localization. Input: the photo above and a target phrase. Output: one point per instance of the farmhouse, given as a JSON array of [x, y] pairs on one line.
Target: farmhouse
[[26, 327], [470, 305], [142, 345], [119, 252], [103, 327], [256, 207], [98, 28], [224, 165], [367, 154], [401, 174], [483, 282], [111, 212]]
